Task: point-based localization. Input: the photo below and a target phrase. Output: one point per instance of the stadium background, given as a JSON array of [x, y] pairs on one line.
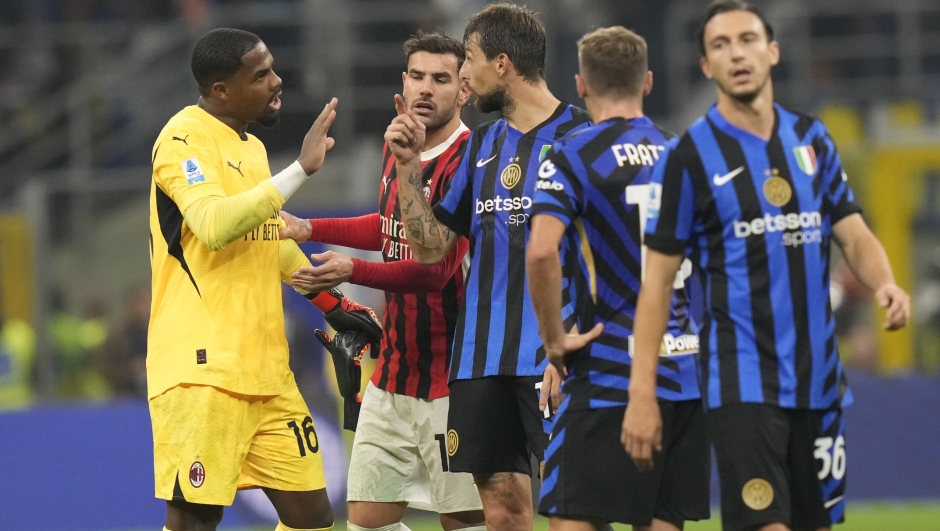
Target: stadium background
[[85, 85]]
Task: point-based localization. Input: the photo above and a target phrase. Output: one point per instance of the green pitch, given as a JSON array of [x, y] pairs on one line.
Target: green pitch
[[862, 516]]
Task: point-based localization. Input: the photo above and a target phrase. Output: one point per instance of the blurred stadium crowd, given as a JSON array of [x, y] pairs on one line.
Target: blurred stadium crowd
[[86, 84]]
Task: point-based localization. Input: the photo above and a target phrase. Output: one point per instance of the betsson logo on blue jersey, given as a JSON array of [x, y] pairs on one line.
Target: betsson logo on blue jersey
[[781, 223]]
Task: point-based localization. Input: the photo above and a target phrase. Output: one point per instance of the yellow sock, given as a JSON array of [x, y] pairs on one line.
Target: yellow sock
[[282, 527]]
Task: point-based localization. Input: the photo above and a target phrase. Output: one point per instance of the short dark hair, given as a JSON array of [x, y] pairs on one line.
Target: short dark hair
[[723, 6], [515, 31], [614, 61], [436, 42], [218, 55]]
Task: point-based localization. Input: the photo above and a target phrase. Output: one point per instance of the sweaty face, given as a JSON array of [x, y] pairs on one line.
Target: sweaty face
[[433, 88], [255, 89], [482, 79], [738, 55]]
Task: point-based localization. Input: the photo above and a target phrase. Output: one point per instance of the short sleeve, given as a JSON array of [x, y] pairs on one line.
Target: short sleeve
[[558, 192], [185, 167], [671, 211], [838, 197], [455, 210]]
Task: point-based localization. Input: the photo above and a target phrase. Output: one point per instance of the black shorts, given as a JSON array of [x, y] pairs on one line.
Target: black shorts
[[589, 475], [779, 465], [494, 424]]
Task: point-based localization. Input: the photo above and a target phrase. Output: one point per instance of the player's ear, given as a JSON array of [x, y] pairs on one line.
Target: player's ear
[[648, 83], [581, 85], [404, 76], [706, 68], [774, 49], [503, 64], [219, 90], [463, 95]]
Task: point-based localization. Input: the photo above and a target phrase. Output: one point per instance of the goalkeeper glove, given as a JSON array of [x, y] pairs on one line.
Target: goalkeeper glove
[[346, 349], [344, 315]]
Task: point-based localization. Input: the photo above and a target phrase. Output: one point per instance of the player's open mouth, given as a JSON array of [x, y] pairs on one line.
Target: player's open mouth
[[423, 107], [742, 75], [275, 103]]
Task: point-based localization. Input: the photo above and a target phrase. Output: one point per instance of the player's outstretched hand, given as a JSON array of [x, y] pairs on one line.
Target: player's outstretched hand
[[551, 388], [334, 270], [316, 142], [570, 342], [405, 135], [898, 303], [294, 228], [642, 431]]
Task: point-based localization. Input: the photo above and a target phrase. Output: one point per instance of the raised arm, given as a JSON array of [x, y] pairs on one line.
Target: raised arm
[[217, 220], [430, 240]]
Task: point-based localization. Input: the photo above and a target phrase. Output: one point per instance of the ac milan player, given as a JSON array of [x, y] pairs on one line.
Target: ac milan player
[[399, 456]]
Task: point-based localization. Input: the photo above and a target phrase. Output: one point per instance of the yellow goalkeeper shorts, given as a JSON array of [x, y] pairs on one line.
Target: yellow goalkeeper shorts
[[208, 443]]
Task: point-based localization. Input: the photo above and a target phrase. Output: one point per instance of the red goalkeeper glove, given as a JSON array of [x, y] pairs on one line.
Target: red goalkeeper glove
[[345, 315]]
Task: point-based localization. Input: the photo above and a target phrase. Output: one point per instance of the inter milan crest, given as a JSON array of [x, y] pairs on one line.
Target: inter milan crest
[[806, 159], [757, 494], [776, 189], [511, 176], [453, 441]]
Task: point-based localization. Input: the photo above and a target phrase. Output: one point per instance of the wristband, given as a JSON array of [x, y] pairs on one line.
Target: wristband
[[289, 179]]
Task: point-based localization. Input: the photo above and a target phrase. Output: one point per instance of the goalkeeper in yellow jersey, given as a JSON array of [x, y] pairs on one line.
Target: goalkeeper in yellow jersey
[[225, 409]]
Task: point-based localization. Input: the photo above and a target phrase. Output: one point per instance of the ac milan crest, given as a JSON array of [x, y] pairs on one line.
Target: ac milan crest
[[197, 474]]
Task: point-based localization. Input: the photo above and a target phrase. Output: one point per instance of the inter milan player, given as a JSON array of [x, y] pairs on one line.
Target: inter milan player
[[591, 201], [495, 424], [225, 409], [399, 456], [758, 192]]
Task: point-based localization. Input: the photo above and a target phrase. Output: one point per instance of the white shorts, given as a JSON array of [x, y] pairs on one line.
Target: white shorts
[[400, 455]]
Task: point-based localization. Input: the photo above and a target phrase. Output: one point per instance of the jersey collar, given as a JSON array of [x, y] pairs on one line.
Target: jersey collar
[[719, 121], [442, 147]]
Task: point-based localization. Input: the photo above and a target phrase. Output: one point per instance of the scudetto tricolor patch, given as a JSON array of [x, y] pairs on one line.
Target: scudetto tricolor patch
[[197, 474], [193, 171], [806, 159]]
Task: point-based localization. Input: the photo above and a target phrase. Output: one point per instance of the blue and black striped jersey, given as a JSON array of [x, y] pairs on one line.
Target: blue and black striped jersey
[[596, 181], [758, 216], [489, 202]]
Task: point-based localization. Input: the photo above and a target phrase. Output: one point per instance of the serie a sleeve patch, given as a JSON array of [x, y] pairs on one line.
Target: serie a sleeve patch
[[193, 171]]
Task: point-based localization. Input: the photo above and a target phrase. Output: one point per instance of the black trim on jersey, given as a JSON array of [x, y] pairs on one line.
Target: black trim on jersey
[[171, 226], [717, 283], [487, 256], [389, 348], [401, 344], [422, 325], [515, 260], [757, 265], [153, 160], [668, 217], [462, 218], [796, 265], [803, 125]]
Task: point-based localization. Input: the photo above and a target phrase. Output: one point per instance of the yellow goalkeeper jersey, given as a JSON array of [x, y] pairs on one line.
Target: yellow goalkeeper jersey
[[217, 316]]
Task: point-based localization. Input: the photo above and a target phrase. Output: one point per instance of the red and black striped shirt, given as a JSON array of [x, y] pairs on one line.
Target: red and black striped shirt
[[414, 359]]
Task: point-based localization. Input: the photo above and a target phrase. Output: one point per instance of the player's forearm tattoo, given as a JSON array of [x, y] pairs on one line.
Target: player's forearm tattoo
[[421, 223]]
